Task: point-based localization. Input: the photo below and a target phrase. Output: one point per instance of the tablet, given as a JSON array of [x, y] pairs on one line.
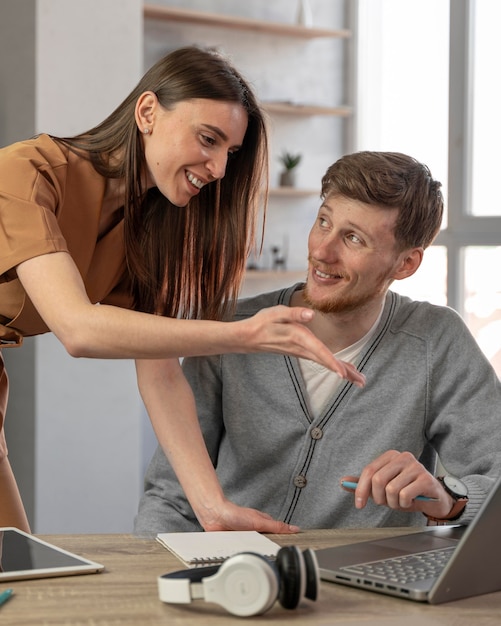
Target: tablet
[[25, 556]]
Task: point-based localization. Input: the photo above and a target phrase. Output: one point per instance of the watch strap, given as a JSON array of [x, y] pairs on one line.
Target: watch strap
[[455, 513]]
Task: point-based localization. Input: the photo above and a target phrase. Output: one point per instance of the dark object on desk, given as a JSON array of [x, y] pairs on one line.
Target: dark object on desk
[[25, 556], [461, 561]]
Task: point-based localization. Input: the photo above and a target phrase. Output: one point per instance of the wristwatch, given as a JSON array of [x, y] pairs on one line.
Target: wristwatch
[[459, 492]]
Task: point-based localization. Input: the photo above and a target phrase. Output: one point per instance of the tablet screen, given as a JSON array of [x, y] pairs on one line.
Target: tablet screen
[[25, 556]]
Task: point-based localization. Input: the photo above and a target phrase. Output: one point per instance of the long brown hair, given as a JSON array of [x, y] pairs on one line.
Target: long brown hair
[[185, 262]]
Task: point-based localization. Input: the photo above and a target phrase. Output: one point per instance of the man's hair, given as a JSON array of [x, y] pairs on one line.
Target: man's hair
[[391, 180]]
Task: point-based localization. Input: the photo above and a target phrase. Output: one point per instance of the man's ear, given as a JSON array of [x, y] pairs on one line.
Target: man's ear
[[410, 261], [146, 106]]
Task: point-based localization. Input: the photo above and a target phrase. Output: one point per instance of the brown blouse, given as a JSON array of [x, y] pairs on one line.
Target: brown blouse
[[50, 201]]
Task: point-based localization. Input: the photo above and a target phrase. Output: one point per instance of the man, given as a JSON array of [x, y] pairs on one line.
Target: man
[[283, 433]]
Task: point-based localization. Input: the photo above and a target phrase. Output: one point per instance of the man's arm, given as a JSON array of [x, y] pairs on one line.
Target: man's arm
[[463, 395]]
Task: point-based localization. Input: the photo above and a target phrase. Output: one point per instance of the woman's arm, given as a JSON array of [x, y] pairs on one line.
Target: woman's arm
[[171, 406], [55, 287]]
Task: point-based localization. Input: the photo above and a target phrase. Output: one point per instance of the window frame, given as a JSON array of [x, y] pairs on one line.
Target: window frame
[[463, 229]]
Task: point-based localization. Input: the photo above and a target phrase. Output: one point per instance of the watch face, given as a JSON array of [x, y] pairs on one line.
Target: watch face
[[456, 486]]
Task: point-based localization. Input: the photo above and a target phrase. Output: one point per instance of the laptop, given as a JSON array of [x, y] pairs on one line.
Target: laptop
[[464, 560]]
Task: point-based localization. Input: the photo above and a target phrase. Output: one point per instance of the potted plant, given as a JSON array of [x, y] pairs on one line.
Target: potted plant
[[290, 162]]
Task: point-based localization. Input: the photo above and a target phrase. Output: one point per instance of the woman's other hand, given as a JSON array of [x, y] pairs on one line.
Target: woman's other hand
[[281, 329], [229, 516]]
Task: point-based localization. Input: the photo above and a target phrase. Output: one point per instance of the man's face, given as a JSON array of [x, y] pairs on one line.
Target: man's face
[[352, 255]]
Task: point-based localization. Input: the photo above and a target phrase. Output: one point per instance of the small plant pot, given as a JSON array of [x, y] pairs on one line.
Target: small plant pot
[[288, 178]]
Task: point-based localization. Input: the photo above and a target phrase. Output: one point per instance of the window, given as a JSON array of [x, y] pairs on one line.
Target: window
[[486, 106], [425, 87]]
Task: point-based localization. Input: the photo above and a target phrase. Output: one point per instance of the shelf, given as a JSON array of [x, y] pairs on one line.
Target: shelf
[[261, 281], [287, 192], [280, 275], [172, 14], [273, 273], [287, 108]]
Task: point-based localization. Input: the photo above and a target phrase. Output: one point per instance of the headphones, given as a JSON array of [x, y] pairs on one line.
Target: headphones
[[247, 583]]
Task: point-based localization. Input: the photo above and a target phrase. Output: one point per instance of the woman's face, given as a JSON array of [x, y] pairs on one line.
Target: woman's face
[[187, 147]]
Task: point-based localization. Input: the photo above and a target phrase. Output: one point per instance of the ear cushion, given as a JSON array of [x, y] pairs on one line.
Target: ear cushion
[[291, 568], [245, 584], [312, 574]]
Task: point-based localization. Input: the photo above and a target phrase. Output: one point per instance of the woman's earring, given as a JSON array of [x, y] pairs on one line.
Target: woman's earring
[[146, 131]]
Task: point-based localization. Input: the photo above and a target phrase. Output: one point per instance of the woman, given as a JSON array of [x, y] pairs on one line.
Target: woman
[[151, 215]]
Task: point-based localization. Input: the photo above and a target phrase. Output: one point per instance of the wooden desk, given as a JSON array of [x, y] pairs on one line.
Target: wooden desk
[[126, 593]]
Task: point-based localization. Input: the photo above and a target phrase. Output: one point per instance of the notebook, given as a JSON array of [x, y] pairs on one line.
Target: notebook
[[25, 556], [211, 548], [470, 555]]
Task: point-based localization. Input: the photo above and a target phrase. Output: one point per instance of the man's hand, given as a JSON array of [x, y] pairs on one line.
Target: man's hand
[[395, 479]]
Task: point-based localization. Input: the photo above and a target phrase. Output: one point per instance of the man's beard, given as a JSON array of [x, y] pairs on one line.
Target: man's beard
[[344, 303], [337, 304]]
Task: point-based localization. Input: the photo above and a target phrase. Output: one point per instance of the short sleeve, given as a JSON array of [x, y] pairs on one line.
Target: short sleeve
[[30, 196]]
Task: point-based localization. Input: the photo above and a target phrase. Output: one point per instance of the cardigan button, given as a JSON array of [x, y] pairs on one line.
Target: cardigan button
[[300, 481], [316, 433]]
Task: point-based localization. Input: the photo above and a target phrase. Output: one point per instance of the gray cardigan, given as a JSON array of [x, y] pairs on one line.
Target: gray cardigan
[[429, 390]]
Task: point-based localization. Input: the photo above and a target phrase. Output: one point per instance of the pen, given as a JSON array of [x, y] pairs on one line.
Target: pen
[[5, 595], [350, 485]]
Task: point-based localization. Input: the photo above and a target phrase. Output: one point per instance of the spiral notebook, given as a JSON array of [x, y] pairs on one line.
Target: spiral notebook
[[210, 548]]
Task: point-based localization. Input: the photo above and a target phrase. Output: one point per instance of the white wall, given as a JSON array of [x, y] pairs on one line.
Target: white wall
[[87, 422]]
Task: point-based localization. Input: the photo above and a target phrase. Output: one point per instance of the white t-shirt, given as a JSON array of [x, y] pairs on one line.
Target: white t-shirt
[[321, 382]]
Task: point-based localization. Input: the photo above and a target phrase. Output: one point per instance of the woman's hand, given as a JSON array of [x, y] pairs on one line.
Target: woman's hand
[[281, 329], [230, 516]]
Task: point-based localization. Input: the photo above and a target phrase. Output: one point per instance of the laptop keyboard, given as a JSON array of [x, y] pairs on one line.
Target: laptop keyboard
[[404, 569]]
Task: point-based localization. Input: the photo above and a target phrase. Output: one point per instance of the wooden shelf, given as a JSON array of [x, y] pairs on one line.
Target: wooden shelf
[[287, 108], [261, 281], [287, 192], [289, 274], [173, 14]]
